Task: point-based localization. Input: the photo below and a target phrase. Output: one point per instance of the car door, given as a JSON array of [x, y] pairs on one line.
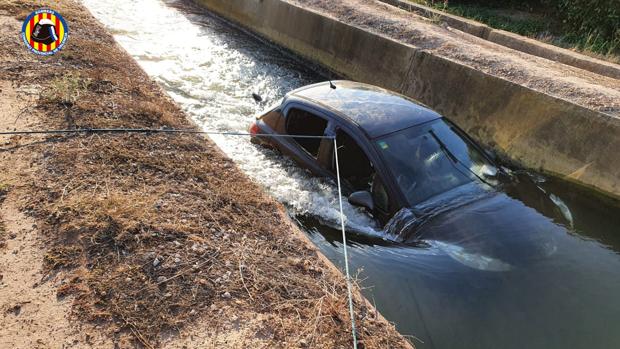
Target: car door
[[307, 122], [360, 170]]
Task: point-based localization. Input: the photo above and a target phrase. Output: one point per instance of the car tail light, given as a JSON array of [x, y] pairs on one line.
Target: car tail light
[[254, 129]]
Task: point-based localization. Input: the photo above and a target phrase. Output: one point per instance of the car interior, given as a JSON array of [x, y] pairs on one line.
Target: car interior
[[356, 170], [301, 122], [355, 167]]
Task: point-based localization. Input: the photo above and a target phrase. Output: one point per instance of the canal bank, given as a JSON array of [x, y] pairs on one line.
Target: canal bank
[[545, 115], [430, 292], [135, 240]]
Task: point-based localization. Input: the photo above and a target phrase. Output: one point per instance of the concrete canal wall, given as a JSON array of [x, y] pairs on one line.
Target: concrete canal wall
[[536, 129]]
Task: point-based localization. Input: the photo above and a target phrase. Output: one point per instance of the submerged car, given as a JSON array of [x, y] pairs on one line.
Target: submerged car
[[414, 171]]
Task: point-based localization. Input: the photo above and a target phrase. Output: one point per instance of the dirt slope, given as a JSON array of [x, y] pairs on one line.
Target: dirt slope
[[142, 240], [573, 84], [31, 316]]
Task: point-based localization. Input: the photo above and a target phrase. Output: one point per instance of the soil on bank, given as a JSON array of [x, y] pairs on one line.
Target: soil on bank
[[566, 82], [142, 240]]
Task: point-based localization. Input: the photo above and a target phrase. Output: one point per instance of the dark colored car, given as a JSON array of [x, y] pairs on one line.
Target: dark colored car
[[406, 164]]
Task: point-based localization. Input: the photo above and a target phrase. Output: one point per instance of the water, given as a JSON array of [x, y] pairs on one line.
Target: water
[[211, 70], [437, 292]]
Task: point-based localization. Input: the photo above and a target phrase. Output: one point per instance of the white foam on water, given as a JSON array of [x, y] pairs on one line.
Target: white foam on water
[[211, 70], [471, 260], [563, 208]]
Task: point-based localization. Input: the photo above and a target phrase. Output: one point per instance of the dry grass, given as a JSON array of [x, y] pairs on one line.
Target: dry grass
[[3, 191], [66, 89], [152, 232]]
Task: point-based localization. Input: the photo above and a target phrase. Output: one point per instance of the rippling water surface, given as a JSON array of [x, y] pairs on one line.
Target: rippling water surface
[[435, 292]]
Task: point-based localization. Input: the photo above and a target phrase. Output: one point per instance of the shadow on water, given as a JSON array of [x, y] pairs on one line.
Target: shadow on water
[[432, 288], [596, 217], [565, 296]]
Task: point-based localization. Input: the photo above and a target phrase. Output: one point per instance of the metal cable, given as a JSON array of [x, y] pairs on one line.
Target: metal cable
[[153, 130], [344, 244]]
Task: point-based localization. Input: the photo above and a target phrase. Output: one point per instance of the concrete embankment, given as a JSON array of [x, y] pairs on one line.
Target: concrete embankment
[[537, 129]]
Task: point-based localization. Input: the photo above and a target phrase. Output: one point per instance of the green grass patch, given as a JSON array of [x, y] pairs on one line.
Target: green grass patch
[[66, 89], [513, 20], [542, 23]]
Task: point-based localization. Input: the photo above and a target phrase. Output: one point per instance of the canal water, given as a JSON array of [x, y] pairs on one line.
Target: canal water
[[569, 300]]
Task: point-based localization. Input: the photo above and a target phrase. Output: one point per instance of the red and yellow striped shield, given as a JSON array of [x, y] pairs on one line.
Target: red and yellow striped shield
[[45, 32]]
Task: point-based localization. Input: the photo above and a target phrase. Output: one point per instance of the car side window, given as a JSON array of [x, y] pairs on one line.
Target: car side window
[[301, 122], [355, 167], [357, 170]]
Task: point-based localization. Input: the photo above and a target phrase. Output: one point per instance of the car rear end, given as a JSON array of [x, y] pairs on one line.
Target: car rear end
[[267, 125]]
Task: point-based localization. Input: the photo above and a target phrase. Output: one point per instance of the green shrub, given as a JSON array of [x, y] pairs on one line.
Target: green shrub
[[595, 24], [592, 25]]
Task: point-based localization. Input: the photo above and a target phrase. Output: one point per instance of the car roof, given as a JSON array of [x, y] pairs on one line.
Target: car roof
[[375, 110]]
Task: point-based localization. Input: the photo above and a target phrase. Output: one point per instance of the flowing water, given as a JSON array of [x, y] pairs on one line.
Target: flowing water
[[437, 293]]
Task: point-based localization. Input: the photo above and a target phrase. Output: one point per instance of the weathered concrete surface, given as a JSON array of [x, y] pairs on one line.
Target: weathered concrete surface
[[538, 130], [514, 41]]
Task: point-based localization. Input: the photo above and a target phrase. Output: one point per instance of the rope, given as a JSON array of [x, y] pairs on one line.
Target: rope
[[344, 244], [167, 130]]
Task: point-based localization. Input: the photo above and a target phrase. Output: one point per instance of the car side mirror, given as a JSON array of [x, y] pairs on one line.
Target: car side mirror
[[362, 199]]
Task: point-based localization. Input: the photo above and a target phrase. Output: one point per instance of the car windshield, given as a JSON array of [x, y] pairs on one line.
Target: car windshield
[[431, 159]]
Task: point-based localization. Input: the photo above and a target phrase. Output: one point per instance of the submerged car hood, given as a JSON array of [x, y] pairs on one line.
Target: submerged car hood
[[480, 227]]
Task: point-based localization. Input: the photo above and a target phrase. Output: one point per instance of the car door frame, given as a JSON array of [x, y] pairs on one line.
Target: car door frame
[[290, 147], [365, 143]]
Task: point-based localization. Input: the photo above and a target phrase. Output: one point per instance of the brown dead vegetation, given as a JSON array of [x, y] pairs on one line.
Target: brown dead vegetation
[[3, 191], [152, 232]]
